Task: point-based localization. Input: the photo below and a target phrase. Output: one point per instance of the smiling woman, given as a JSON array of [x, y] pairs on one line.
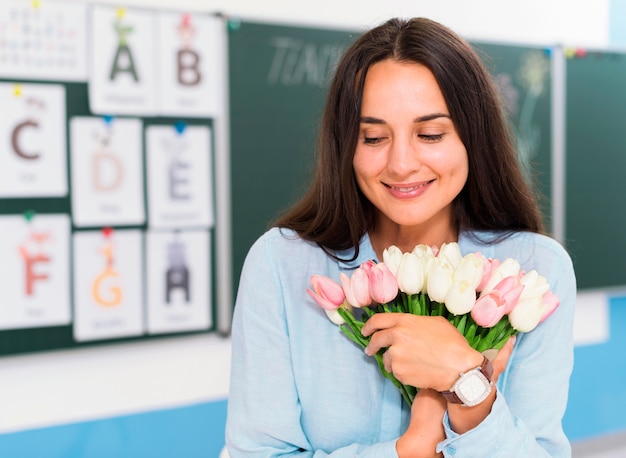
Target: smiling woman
[[409, 161], [412, 150]]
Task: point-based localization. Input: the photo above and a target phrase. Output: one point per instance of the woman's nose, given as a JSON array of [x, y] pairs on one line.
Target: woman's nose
[[403, 157]]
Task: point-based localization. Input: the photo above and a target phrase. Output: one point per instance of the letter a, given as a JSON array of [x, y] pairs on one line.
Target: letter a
[[123, 51]]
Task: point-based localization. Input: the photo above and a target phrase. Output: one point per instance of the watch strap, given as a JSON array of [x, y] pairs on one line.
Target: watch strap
[[487, 370]]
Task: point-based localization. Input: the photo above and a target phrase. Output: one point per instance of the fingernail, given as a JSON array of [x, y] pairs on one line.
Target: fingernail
[[513, 339]]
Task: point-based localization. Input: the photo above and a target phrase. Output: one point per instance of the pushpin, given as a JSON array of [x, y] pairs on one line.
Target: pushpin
[[570, 52], [108, 119], [581, 52], [17, 90], [107, 232], [233, 24], [35, 4], [120, 13], [29, 215], [180, 127]]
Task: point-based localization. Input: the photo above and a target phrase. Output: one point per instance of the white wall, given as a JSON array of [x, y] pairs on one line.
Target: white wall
[[575, 22], [57, 387]]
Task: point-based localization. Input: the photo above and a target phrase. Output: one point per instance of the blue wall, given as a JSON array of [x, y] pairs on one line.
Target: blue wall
[[186, 432], [597, 393]]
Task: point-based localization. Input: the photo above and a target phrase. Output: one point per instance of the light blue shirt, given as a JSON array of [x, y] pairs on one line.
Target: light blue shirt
[[300, 387]]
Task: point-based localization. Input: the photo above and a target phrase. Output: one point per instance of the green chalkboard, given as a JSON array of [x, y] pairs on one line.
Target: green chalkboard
[[595, 146], [524, 78], [278, 80], [278, 77]]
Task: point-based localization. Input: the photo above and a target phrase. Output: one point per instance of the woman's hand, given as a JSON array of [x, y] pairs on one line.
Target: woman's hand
[[422, 351], [425, 430], [428, 352]]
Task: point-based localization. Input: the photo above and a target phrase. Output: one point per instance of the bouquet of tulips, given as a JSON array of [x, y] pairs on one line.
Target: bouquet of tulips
[[487, 300]]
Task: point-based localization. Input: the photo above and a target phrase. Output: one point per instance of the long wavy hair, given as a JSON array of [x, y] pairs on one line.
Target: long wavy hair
[[335, 214]]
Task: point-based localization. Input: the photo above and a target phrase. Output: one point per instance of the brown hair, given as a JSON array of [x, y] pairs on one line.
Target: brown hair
[[335, 214]]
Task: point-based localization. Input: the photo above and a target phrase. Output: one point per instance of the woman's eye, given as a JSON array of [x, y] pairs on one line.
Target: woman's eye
[[372, 140], [431, 138]]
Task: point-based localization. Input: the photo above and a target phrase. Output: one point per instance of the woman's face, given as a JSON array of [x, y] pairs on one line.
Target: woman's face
[[409, 160]]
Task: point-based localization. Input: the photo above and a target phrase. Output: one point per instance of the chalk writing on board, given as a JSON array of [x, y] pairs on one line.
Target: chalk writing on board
[[295, 62]]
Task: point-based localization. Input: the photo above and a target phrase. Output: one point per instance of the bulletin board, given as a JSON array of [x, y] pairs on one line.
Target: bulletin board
[[107, 196]]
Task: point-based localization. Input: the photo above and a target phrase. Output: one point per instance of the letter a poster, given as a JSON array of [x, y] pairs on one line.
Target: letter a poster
[[122, 77]]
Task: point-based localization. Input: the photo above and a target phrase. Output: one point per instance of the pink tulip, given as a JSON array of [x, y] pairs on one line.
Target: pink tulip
[[510, 289], [492, 306], [326, 292], [549, 303], [356, 288], [383, 284], [489, 265], [488, 309]]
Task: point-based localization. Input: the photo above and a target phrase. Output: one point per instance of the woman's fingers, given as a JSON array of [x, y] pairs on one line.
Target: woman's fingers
[[380, 321]]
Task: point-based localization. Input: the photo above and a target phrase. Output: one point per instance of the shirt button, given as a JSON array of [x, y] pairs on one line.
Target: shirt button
[[451, 450]]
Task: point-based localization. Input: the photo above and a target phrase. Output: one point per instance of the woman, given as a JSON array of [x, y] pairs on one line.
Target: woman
[[413, 149]]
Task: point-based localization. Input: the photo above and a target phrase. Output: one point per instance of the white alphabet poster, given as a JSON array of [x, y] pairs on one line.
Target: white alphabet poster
[[43, 40], [108, 284], [32, 140], [35, 271], [122, 77], [191, 60], [106, 171], [179, 176], [178, 281]]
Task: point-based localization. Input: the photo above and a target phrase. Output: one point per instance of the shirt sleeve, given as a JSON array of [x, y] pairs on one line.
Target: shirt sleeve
[[526, 418], [264, 412]]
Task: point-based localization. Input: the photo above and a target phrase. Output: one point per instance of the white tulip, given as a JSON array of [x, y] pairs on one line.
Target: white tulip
[[335, 317], [439, 280], [450, 253], [410, 274], [470, 269], [392, 256], [526, 314], [534, 285], [460, 298]]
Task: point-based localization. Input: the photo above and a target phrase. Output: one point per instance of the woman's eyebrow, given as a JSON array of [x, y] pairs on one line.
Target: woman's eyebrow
[[428, 117]]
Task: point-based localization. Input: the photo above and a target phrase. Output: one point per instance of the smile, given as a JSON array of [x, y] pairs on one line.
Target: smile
[[408, 192], [408, 189]]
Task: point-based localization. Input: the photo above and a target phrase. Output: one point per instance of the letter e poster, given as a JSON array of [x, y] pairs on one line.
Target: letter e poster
[[180, 185]]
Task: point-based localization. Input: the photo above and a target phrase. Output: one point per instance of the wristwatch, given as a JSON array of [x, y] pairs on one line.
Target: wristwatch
[[472, 387]]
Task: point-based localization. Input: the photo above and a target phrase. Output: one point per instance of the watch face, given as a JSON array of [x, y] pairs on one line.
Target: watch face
[[472, 388]]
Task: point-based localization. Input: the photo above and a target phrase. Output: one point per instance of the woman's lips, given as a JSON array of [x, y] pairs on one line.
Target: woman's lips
[[408, 191]]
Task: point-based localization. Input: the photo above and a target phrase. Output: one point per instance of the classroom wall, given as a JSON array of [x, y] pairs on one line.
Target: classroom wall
[[168, 397]]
